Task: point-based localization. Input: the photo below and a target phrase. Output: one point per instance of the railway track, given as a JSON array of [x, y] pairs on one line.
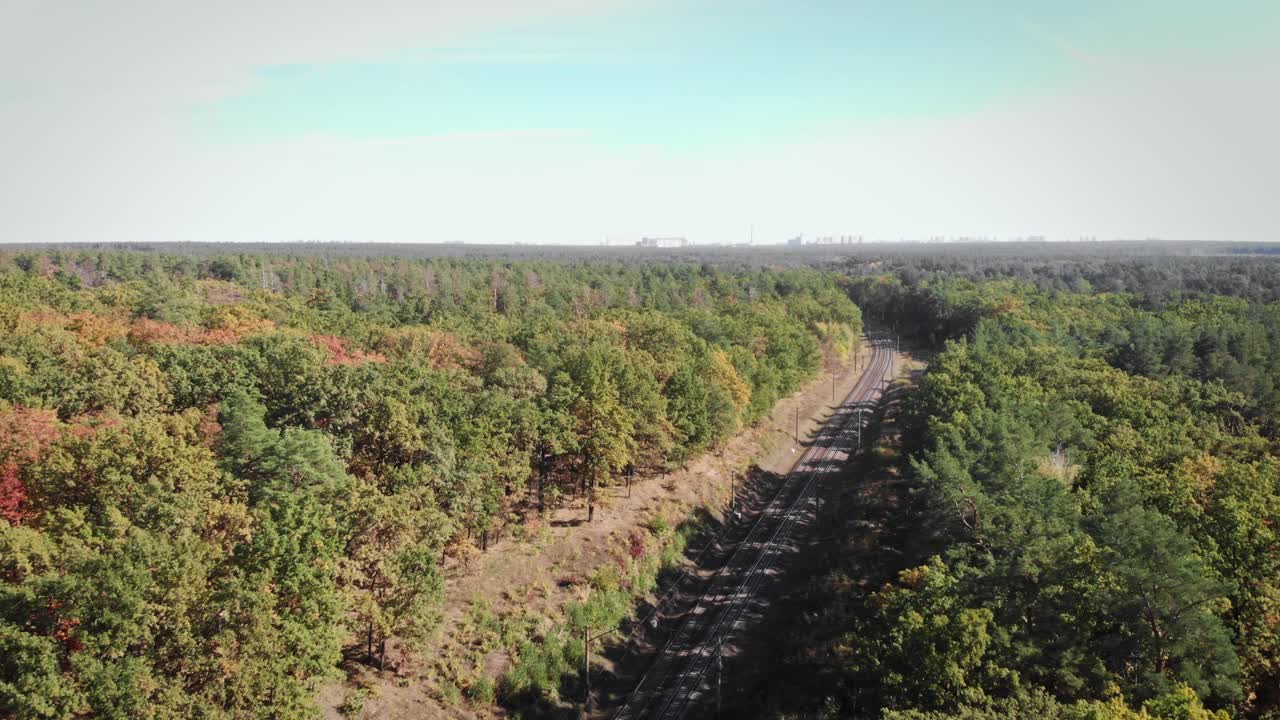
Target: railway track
[[676, 682]]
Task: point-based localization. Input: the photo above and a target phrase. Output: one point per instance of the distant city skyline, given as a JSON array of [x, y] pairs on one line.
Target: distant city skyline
[[568, 121]]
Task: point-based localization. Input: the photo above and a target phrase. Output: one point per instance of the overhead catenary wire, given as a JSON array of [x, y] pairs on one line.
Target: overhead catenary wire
[[685, 657]]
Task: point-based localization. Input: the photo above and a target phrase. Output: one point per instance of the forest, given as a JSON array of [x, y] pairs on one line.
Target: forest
[[221, 474], [1088, 521]]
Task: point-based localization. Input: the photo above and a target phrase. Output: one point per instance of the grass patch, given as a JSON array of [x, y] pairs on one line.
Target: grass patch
[[546, 652], [353, 704], [547, 664], [481, 691]]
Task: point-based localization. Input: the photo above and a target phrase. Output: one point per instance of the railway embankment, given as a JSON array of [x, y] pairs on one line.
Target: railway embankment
[[674, 668], [523, 586]]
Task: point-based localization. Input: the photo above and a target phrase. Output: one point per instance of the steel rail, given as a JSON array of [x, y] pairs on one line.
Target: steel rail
[[865, 386], [695, 656], [690, 681], [665, 658], [700, 659]]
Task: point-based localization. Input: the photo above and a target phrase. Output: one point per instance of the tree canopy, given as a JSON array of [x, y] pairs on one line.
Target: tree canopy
[[220, 473], [1093, 502]]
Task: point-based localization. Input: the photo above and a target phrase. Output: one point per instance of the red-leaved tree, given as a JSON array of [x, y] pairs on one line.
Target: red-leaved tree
[[25, 433]]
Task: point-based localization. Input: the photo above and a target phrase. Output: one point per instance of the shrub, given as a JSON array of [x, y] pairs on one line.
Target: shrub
[[659, 526], [481, 691], [353, 704], [447, 692]]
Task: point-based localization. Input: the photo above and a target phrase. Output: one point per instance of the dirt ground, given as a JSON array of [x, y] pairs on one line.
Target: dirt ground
[[532, 571]]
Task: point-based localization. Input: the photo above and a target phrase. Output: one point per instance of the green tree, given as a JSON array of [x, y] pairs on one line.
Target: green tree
[[604, 431], [1166, 627], [391, 559], [921, 647], [295, 487]]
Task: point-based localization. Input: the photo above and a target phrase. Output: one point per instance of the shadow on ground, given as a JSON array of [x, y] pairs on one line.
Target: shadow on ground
[[680, 588], [855, 544]]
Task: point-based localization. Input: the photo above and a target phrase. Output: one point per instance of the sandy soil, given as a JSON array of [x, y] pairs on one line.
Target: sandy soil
[[536, 572]]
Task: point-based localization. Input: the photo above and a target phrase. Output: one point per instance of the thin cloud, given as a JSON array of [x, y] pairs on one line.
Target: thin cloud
[[441, 139], [1064, 47]]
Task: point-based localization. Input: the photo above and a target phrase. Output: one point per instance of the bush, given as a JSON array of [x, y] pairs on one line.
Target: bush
[[543, 661], [353, 704], [659, 526], [447, 692], [538, 667], [481, 691]]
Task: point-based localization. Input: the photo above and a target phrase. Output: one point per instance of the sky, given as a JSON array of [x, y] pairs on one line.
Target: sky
[[581, 121]]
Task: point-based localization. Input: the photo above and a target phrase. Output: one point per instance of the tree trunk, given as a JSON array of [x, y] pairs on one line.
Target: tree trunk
[[575, 486], [588, 485], [591, 501], [542, 481], [382, 655]]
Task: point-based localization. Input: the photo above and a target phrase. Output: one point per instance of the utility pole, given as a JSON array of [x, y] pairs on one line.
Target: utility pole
[[586, 664], [719, 673], [897, 348], [797, 434]]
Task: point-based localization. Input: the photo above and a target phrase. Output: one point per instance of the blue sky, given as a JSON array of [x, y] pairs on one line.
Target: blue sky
[[723, 73], [692, 75], [444, 121], [730, 73]]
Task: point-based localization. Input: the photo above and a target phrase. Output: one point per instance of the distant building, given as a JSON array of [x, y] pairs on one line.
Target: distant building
[[796, 241], [828, 240], [663, 242]]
